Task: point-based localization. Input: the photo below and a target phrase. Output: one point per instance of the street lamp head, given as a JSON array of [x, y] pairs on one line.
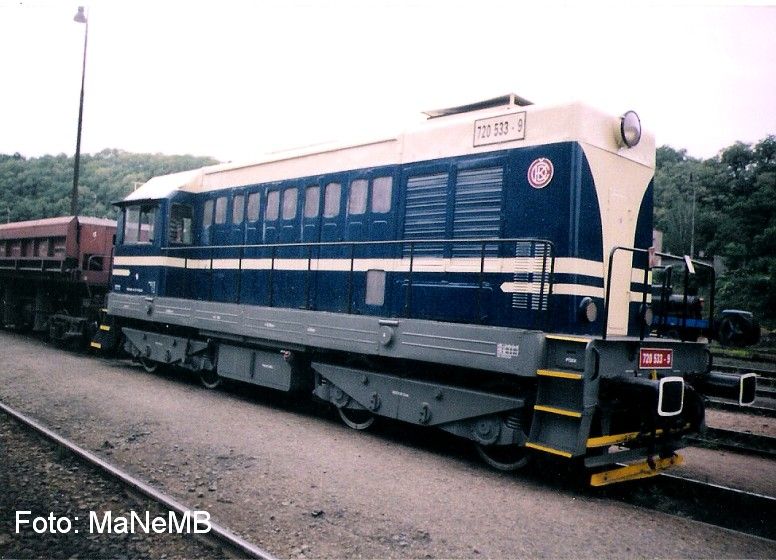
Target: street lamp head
[[80, 17]]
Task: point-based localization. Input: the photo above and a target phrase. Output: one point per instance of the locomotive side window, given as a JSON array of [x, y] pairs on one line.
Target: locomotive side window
[[273, 206], [253, 207], [131, 224], [375, 287], [382, 189], [289, 203], [147, 219], [331, 200], [139, 224], [207, 213], [238, 209], [221, 210], [312, 200], [181, 216], [357, 197]]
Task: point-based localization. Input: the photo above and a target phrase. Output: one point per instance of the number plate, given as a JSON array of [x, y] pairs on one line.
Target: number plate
[[499, 129], [656, 358]]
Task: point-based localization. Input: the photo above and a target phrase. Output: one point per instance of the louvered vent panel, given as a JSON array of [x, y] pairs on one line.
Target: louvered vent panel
[[425, 213], [477, 212]]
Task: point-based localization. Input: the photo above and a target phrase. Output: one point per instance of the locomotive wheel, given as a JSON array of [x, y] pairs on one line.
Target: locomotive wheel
[[210, 379], [356, 419], [503, 457], [149, 365]]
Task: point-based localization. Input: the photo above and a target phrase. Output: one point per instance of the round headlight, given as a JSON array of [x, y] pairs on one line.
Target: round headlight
[[630, 129], [648, 315], [588, 310]]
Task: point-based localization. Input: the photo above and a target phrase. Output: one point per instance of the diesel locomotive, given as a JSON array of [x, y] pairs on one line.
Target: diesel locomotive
[[486, 273]]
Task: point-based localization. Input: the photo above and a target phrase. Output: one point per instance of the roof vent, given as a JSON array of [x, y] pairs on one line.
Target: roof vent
[[501, 101]]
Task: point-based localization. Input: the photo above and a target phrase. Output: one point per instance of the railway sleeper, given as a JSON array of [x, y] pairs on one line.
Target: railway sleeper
[[487, 419]]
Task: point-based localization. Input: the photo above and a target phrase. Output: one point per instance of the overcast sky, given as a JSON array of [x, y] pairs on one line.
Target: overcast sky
[[236, 79]]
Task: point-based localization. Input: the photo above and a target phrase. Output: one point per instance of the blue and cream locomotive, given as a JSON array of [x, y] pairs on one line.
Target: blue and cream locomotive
[[487, 273]]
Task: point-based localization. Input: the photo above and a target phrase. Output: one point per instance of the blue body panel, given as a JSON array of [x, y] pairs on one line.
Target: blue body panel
[[478, 196]]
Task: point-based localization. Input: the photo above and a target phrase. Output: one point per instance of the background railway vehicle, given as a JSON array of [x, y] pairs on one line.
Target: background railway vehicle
[[486, 273], [54, 274], [685, 318]]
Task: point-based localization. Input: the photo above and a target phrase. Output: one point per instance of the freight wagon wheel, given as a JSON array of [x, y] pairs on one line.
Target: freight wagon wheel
[[356, 419], [149, 365], [503, 457], [210, 379]]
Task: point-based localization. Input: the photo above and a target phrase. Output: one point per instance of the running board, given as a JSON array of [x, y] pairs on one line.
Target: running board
[[635, 472]]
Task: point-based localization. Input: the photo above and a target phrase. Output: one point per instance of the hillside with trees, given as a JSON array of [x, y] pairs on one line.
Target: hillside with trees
[[40, 187], [723, 207]]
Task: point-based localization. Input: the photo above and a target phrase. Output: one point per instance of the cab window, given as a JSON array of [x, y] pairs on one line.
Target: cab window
[[181, 216], [139, 224]]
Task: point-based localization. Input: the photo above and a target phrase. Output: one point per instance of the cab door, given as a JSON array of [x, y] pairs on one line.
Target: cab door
[[333, 264], [311, 237], [371, 219], [289, 264]]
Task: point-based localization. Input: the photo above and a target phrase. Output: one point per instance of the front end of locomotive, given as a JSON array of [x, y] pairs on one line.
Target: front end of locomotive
[[617, 389]]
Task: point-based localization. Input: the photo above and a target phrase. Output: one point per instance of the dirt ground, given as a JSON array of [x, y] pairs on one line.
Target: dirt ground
[[290, 478]]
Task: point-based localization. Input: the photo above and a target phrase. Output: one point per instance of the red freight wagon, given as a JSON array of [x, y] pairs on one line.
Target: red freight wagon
[[54, 273]]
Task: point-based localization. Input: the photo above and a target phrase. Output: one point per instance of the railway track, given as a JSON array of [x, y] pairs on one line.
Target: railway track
[[219, 538], [718, 505], [739, 442]]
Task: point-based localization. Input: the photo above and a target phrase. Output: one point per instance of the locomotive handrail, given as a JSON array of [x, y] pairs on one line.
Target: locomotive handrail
[[545, 285], [686, 260]]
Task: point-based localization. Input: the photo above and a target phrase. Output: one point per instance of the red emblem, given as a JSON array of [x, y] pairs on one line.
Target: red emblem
[[540, 173]]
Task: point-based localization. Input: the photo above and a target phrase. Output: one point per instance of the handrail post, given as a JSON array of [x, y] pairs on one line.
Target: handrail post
[[239, 274], [307, 278], [480, 318], [684, 302], [350, 278], [608, 292], [408, 295], [272, 277], [643, 310], [210, 291], [711, 302]]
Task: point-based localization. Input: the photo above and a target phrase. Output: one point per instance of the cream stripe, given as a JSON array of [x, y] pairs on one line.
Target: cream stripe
[[508, 265]]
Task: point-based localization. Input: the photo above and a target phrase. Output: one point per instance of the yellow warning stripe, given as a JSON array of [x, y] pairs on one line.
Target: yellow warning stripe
[[568, 338], [634, 472], [565, 454], [606, 441], [559, 374], [561, 411]]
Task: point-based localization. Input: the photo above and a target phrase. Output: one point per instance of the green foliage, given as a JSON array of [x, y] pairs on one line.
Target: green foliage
[[40, 187], [735, 218]]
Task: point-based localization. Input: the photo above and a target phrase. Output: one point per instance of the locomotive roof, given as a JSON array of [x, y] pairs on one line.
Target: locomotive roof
[[446, 132]]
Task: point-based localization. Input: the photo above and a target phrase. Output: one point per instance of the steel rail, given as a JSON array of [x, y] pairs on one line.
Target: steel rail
[[739, 442], [733, 406], [715, 504], [220, 537]]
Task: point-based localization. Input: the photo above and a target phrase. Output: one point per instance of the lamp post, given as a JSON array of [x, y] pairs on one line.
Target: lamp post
[[80, 17]]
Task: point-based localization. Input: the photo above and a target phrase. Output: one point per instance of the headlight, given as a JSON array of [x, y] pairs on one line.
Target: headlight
[[588, 310], [630, 129], [647, 314]]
